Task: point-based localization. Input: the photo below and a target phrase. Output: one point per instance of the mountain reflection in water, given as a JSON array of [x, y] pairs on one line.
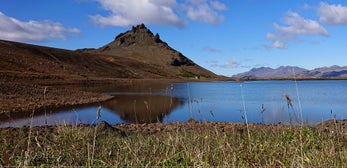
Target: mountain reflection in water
[[142, 103], [142, 108]]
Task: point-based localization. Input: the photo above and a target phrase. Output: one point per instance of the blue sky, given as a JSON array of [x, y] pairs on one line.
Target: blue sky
[[224, 36]]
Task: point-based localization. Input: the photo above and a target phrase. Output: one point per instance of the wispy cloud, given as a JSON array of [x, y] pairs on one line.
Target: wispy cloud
[[297, 25], [32, 31], [204, 11], [315, 42], [218, 5], [168, 12], [231, 63], [332, 14], [294, 27], [228, 64], [211, 49], [279, 45], [214, 63], [306, 6]]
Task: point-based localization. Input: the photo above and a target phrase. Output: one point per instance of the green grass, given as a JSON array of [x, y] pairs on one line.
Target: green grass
[[187, 74], [184, 145]]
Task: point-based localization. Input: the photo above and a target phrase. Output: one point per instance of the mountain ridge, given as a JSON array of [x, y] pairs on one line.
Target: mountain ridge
[[334, 71]]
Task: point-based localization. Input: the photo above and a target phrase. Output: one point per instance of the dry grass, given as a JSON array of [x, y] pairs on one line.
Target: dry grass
[[188, 144], [289, 100]]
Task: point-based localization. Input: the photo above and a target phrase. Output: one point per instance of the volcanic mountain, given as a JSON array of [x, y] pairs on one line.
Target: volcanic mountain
[[135, 54], [141, 45]]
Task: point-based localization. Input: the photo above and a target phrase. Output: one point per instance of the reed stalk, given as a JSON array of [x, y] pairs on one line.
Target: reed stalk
[[44, 107], [27, 152], [98, 115], [189, 101], [245, 115], [301, 119]]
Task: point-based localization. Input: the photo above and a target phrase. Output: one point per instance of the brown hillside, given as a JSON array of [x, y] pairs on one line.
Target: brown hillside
[[135, 54], [22, 60]]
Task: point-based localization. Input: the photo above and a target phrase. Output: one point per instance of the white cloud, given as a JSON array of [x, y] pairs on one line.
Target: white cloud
[[205, 11], [295, 26], [229, 64], [218, 5], [279, 45], [161, 12], [332, 14], [132, 12], [211, 49], [16, 30], [270, 36]]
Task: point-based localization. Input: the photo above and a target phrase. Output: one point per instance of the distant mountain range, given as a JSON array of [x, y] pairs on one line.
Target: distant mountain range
[[289, 72]]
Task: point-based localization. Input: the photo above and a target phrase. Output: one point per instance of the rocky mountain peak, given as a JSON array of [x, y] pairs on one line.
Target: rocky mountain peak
[[141, 44], [139, 35]]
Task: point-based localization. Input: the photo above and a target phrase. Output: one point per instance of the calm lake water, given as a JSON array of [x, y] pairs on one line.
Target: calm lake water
[[256, 101]]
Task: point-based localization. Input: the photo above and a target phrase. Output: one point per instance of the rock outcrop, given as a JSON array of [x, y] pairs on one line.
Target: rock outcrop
[[140, 43]]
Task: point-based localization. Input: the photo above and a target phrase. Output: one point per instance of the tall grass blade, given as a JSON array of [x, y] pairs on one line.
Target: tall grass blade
[[301, 119], [245, 113]]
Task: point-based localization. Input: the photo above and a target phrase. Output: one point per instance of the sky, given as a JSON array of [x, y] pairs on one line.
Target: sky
[[224, 36]]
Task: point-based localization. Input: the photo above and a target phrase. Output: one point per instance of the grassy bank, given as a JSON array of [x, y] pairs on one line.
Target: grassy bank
[[189, 144]]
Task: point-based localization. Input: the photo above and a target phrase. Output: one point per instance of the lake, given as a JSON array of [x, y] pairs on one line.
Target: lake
[[312, 101]]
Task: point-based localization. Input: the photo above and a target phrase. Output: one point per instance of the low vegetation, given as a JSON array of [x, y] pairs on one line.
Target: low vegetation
[[175, 144]]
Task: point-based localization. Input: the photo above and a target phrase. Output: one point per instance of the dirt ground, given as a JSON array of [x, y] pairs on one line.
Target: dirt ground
[[19, 97], [157, 128]]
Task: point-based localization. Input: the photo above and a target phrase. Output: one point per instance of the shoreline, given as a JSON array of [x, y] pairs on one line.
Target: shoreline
[[154, 128], [18, 97]]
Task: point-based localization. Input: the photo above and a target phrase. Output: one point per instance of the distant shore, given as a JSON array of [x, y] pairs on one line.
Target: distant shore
[[298, 79]]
